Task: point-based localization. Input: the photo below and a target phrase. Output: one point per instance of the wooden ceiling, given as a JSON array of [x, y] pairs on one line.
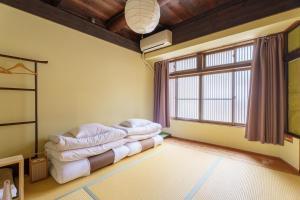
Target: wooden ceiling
[[109, 14], [187, 19]]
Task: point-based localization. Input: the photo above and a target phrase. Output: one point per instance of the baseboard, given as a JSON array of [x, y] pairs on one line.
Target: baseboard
[[236, 150]]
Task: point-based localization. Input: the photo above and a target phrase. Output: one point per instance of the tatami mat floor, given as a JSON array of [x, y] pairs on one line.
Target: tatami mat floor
[[179, 170]]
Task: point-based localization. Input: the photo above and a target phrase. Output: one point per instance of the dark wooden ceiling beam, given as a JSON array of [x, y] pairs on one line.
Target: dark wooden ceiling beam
[[84, 7], [117, 22], [62, 5], [44, 10], [53, 2], [232, 14]]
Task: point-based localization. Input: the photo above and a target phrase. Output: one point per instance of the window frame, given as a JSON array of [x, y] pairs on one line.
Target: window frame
[[203, 70]]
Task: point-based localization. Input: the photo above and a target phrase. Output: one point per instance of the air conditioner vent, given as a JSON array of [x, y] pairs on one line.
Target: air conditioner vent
[[156, 41]]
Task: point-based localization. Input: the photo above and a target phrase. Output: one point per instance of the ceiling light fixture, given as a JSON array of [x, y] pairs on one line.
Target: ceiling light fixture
[[142, 16]]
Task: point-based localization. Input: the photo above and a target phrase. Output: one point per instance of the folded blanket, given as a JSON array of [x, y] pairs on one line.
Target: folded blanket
[[133, 138], [133, 123], [139, 146], [67, 142], [89, 130], [150, 128], [78, 154], [120, 153], [64, 172]]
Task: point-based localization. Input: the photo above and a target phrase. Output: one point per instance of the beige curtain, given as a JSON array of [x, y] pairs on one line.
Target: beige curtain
[[266, 111], [161, 94]]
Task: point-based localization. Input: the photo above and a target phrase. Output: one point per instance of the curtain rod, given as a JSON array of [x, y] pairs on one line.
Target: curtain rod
[[25, 59]]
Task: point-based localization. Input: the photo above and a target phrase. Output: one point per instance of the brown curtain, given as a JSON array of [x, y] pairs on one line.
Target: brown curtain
[[161, 94], [266, 111]]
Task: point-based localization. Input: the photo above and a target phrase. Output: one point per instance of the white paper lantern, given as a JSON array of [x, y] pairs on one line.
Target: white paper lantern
[[142, 16]]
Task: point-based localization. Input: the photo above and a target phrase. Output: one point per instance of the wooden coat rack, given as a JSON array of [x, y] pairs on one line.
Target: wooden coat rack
[[35, 90]]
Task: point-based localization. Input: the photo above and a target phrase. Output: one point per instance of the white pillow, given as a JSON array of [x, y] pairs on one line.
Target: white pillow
[[133, 123], [89, 130]]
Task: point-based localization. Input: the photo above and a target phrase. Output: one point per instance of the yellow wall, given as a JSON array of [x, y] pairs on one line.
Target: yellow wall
[[86, 80], [294, 96], [294, 83], [227, 135], [294, 39]]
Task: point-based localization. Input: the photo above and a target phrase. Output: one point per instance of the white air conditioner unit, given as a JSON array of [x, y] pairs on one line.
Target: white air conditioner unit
[[156, 41]]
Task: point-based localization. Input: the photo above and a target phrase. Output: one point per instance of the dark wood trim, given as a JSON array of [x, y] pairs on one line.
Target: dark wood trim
[[36, 128], [17, 123], [18, 89], [182, 57], [116, 22], [91, 19], [232, 14], [44, 10], [227, 67], [294, 135], [176, 97], [292, 27], [184, 72], [215, 71], [293, 55], [230, 46], [226, 148], [233, 100], [200, 106], [286, 67], [221, 146], [53, 2], [24, 59], [200, 67], [208, 122]]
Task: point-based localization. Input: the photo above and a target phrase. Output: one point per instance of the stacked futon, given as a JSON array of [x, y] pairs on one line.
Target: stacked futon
[[84, 149], [90, 147], [141, 134]]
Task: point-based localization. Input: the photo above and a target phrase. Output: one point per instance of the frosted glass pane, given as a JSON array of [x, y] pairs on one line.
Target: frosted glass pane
[[188, 97], [172, 97], [242, 87], [217, 97], [220, 58], [244, 53]]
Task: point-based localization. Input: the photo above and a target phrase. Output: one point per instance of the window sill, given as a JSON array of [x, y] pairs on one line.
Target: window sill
[[210, 122]]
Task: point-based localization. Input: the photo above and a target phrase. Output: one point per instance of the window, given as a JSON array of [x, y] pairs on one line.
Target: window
[[216, 91]]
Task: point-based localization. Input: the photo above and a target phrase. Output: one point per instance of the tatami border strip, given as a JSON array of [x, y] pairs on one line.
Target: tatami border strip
[[92, 195], [203, 179], [109, 174]]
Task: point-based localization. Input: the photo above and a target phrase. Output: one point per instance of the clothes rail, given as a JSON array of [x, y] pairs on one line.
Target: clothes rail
[[24, 59], [35, 90]]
